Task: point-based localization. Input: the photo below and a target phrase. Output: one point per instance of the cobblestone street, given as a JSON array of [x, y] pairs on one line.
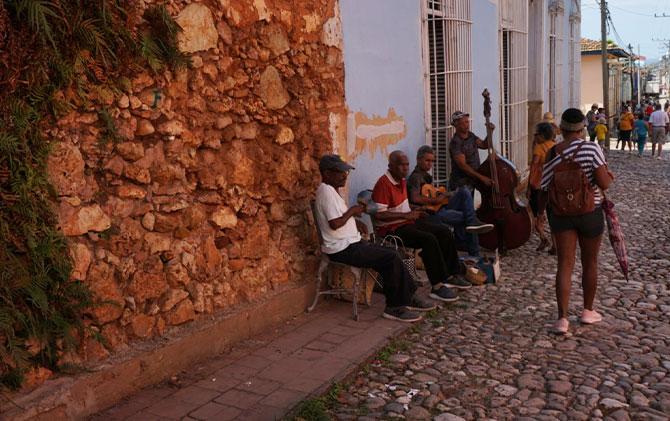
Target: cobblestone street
[[490, 356]]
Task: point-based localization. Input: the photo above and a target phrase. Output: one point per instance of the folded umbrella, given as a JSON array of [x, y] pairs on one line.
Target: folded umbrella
[[616, 236]]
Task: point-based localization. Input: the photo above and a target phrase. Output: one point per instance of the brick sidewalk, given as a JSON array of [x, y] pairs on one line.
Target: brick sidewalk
[[264, 378]]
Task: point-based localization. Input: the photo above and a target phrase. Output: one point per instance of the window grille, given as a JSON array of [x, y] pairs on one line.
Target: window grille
[[514, 82], [447, 35]]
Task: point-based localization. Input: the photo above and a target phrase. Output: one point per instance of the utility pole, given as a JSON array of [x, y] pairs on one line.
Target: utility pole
[[606, 73], [631, 64], [639, 70]]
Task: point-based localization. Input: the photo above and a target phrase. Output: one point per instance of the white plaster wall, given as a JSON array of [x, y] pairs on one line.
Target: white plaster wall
[[383, 69], [485, 66], [564, 77]]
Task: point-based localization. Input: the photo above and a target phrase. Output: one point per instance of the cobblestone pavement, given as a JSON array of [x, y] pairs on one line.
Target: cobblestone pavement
[[490, 355]]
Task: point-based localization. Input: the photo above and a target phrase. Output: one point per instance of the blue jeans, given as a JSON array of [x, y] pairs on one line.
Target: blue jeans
[[459, 213]]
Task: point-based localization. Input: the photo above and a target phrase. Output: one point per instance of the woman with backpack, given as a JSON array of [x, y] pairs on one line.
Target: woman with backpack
[[573, 177]]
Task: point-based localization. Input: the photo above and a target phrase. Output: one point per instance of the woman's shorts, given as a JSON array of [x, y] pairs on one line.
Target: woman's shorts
[[625, 135], [589, 225]]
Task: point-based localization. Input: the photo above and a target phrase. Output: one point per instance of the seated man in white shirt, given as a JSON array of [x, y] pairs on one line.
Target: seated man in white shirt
[[342, 243]]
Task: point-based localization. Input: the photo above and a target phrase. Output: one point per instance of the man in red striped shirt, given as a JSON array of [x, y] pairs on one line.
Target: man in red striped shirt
[[395, 217]]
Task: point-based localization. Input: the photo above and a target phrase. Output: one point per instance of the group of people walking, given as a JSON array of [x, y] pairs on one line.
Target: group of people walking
[[566, 183], [636, 124]]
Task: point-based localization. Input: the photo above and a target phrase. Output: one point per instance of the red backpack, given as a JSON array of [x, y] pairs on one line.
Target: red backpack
[[570, 191]]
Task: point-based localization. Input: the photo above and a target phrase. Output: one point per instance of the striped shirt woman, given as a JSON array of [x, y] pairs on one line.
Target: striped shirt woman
[[590, 157], [583, 230]]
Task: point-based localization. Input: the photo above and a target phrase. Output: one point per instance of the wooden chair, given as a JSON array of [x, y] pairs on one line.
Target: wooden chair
[[326, 265]]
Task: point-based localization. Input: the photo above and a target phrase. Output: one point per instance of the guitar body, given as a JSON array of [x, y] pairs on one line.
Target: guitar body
[[428, 190]]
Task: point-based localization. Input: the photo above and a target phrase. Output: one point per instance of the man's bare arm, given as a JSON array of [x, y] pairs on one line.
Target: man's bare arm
[[338, 223]]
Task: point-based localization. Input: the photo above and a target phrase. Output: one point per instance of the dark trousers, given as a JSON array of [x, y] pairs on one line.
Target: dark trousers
[[397, 283], [438, 248]]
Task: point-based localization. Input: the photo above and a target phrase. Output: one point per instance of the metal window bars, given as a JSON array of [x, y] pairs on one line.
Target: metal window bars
[[447, 28], [514, 82]]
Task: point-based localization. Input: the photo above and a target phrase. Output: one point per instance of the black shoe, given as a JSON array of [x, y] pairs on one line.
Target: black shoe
[[421, 304], [478, 227], [443, 293], [458, 282], [401, 314]]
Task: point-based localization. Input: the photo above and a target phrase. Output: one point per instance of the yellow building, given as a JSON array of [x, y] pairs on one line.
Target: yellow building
[[592, 76]]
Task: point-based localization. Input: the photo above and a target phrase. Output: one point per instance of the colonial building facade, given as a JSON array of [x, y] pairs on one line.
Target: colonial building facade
[[410, 65]]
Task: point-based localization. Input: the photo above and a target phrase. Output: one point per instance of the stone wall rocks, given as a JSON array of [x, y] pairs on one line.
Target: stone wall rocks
[[203, 204]]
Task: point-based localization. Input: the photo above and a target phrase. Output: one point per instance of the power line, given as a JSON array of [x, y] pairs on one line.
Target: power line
[[635, 13]]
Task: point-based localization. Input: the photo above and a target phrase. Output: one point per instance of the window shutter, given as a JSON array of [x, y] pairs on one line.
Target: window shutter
[[514, 82], [447, 28]]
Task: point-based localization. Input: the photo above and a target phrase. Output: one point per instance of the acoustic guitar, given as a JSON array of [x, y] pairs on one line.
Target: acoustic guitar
[[428, 190]]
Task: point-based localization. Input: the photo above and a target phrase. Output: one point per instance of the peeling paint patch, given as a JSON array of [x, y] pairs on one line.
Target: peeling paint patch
[[332, 30], [354, 134], [368, 132]]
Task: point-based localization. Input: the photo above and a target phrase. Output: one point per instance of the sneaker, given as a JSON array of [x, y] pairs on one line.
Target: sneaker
[[590, 317], [560, 326], [443, 293], [401, 314], [458, 282], [421, 304], [478, 227]]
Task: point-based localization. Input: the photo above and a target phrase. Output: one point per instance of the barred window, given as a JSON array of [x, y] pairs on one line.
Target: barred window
[[514, 82], [447, 37]]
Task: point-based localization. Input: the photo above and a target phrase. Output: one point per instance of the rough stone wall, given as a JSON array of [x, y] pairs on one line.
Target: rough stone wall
[[204, 202]]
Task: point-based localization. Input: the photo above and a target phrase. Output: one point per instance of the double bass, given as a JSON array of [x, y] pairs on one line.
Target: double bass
[[500, 204]]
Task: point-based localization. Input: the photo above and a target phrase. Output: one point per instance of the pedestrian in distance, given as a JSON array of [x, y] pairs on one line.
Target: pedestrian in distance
[[543, 141], [601, 132], [592, 121], [548, 117], [576, 168], [626, 122], [641, 131], [659, 121]]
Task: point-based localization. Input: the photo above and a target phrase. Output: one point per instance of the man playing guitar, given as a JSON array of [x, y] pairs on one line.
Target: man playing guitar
[[454, 208]]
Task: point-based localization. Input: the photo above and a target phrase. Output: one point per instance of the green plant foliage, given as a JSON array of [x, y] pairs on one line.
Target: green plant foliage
[[159, 45], [54, 56], [318, 409]]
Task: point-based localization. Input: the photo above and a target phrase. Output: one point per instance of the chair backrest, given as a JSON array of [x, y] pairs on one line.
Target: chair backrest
[[312, 205]]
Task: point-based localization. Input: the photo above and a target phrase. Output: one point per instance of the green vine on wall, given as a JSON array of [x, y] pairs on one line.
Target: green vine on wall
[[53, 55]]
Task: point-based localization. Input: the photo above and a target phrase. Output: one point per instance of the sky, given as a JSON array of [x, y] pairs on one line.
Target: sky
[[634, 21]]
